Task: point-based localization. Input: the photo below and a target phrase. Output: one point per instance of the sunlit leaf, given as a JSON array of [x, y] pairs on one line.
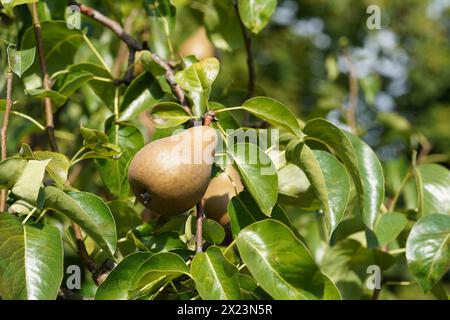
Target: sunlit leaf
[[31, 260], [20, 61], [428, 249], [215, 277]]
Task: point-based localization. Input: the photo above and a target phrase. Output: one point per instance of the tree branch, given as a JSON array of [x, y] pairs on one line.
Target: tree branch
[[136, 45], [114, 26], [353, 95], [4, 132], [50, 128], [129, 73], [199, 225], [250, 59]]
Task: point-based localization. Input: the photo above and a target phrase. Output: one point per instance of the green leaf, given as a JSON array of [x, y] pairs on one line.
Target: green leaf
[[279, 262], [244, 211], [295, 189], [105, 90], [331, 291], [31, 260], [258, 174], [273, 112], [28, 186], [372, 180], [60, 46], [389, 226], [125, 216], [159, 268], [93, 137], [215, 277], [428, 249], [360, 161], [99, 143], [114, 172], [328, 179], [57, 168], [213, 232], [162, 22], [161, 242], [346, 264], [10, 171], [13, 3], [57, 98], [70, 82], [337, 184], [226, 119], [433, 188], [142, 94], [169, 114], [89, 212], [119, 280], [222, 25], [197, 79], [20, 61], [255, 14]]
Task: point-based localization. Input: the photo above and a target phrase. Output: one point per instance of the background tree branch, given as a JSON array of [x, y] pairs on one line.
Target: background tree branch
[[250, 59], [50, 127], [135, 45], [86, 259], [4, 132], [353, 95]]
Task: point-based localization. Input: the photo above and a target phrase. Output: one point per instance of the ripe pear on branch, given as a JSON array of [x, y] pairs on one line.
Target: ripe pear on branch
[[170, 176], [219, 193]]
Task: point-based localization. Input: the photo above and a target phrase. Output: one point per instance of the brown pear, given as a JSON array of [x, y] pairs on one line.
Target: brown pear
[[197, 44], [169, 176], [219, 193]]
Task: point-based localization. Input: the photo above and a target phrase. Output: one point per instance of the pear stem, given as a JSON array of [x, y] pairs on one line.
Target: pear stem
[[208, 118], [199, 234]]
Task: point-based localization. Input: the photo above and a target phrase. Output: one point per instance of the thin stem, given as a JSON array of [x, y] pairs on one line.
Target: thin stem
[[376, 294], [397, 251], [130, 68], [82, 251], [74, 158], [399, 283], [231, 245], [249, 48], [353, 95], [50, 127], [29, 215], [58, 73], [110, 24], [228, 109], [160, 290], [116, 115], [174, 287], [96, 53], [102, 79], [41, 215], [199, 234], [4, 131], [132, 43], [222, 131], [27, 117], [399, 191], [242, 266]]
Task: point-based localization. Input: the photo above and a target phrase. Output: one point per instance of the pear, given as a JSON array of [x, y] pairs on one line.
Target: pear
[[219, 193], [197, 44], [169, 176]]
